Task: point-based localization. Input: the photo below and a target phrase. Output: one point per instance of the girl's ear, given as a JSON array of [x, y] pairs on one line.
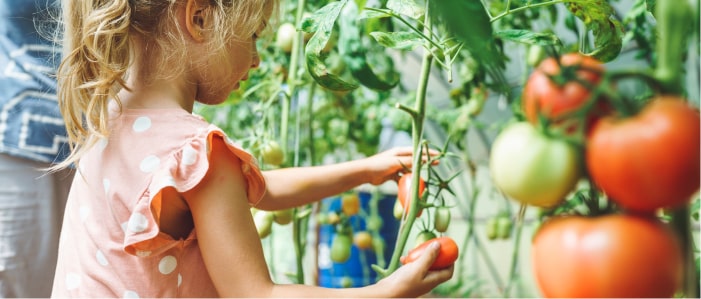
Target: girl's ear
[[194, 19]]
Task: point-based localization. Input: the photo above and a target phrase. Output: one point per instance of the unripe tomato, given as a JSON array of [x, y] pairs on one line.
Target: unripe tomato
[[533, 168], [648, 161], [283, 217], [374, 223], [613, 256], [350, 204], [263, 221], [424, 236], [362, 240], [504, 225], [441, 219], [404, 194], [272, 153], [284, 37], [341, 248], [398, 210], [346, 282], [447, 255], [491, 228]]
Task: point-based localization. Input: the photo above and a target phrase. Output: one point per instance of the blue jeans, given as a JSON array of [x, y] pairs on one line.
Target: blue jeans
[[31, 212]]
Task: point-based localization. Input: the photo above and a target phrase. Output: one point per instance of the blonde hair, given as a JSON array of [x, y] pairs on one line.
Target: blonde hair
[[98, 39]]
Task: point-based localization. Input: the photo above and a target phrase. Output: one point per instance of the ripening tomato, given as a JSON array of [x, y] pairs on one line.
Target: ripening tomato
[[533, 168], [648, 161], [612, 256], [447, 255], [544, 95], [362, 240], [350, 204], [404, 194]]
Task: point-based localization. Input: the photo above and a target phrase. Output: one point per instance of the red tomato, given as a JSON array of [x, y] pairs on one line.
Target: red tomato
[[542, 95], [446, 257], [404, 193], [650, 160], [610, 256]]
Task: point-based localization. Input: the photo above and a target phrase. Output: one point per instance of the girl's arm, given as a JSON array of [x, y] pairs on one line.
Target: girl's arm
[[292, 187], [233, 254]]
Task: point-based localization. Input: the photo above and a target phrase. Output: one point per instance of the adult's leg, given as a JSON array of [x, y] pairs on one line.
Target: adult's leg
[[31, 213]]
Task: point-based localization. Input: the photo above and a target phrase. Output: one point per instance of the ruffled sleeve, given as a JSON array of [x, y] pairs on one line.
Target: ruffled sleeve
[[183, 170]]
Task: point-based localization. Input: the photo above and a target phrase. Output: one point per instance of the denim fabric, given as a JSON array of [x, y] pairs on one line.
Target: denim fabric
[[30, 122]]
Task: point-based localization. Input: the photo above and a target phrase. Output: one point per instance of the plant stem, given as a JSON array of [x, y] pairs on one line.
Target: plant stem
[[417, 135], [297, 224], [509, 11], [515, 253]]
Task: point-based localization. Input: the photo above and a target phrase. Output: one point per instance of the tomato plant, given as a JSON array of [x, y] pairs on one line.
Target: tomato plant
[[404, 194], [533, 168], [650, 160], [556, 89], [610, 256], [446, 257]]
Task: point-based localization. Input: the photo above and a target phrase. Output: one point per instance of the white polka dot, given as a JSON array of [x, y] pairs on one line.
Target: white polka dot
[[143, 253], [189, 155], [130, 294], [137, 223], [180, 279], [167, 264], [101, 259], [106, 183], [84, 213], [72, 281], [149, 164], [141, 124], [324, 258]]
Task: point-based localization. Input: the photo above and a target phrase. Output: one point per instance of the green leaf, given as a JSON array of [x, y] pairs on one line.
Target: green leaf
[[373, 14], [529, 37], [408, 8], [468, 22], [321, 23], [599, 17], [398, 40]]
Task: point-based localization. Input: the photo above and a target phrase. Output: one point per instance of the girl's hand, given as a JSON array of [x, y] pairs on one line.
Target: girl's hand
[[415, 279], [388, 165]]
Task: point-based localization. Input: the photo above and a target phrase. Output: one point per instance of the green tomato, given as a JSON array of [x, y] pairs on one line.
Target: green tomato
[[398, 210], [373, 223], [341, 248], [424, 236], [272, 153], [491, 228], [533, 168], [264, 222], [285, 35], [441, 219], [504, 225], [283, 217]]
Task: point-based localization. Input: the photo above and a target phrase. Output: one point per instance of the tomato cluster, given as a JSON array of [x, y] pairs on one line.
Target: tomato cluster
[[642, 161]]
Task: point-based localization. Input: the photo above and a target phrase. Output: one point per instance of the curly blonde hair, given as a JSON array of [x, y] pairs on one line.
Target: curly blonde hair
[[98, 39]]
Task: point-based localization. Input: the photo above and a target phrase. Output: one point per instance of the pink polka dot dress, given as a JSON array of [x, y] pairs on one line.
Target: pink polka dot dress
[[111, 245]]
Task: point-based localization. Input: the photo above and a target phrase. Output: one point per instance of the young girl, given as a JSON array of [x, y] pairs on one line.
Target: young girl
[[160, 204]]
